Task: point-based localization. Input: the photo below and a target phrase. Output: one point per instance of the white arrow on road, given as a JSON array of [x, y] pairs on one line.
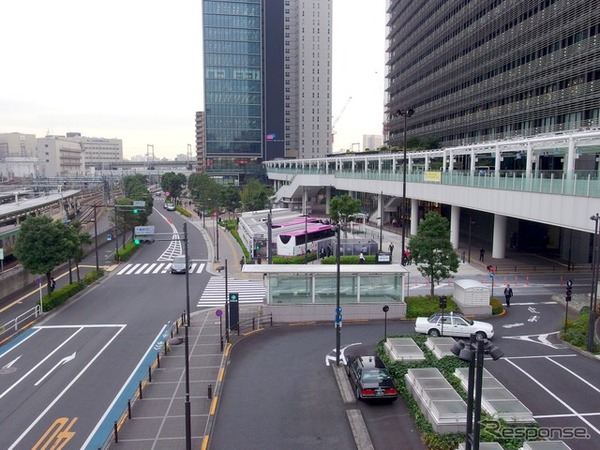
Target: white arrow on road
[[532, 319], [532, 310], [330, 357], [65, 360], [8, 368], [513, 325]]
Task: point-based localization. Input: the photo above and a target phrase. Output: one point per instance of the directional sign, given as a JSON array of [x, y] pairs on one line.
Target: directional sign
[[139, 203], [147, 230]]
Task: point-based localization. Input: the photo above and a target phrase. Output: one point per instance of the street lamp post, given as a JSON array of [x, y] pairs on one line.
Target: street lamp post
[[473, 353], [406, 113], [188, 409], [338, 308], [595, 276]]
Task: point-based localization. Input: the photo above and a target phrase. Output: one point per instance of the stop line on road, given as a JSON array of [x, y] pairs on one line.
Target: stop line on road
[[157, 267], [250, 292]]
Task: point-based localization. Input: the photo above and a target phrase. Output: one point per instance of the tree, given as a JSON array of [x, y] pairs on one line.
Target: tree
[[342, 208], [432, 250], [77, 238], [173, 183], [42, 245], [255, 196], [205, 191], [230, 198]]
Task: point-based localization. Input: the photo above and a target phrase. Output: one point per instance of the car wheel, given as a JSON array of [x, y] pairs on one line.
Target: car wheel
[[357, 393], [434, 332], [480, 335]]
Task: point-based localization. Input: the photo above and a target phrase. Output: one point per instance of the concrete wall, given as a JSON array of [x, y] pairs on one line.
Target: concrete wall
[[326, 313]]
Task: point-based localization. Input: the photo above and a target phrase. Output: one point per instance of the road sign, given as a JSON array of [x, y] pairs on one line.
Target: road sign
[[108, 237], [1, 253], [147, 230], [38, 280], [139, 203], [219, 312]]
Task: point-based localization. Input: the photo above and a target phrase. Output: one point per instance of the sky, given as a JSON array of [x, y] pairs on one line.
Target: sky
[[132, 70]]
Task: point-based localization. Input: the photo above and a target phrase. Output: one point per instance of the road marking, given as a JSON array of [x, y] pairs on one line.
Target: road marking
[[583, 380], [8, 368], [141, 269], [63, 361], [538, 339], [57, 435], [330, 357], [149, 269], [553, 395], [63, 392], [158, 267], [513, 325], [533, 310], [532, 319]]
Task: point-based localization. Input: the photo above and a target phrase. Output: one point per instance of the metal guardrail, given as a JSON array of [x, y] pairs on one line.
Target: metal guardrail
[[12, 327]]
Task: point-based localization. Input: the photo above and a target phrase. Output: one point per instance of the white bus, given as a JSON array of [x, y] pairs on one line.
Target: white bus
[[294, 243]]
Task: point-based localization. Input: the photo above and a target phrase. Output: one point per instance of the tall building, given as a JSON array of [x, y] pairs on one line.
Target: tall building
[[100, 152], [475, 71], [267, 83], [372, 141]]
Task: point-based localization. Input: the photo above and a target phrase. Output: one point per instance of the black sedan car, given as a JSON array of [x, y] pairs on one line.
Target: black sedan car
[[370, 379]]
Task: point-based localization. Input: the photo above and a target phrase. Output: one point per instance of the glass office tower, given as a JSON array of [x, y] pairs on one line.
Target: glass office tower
[[485, 70], [267, 84]]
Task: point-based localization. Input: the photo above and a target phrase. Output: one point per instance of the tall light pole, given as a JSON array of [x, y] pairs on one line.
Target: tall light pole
[[406, 113], [188, 409], [594, 293]]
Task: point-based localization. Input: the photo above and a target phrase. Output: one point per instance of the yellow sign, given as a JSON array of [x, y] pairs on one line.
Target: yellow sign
[[432, 177]]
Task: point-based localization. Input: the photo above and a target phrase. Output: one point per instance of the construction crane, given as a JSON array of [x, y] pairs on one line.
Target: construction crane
[[337, 119]]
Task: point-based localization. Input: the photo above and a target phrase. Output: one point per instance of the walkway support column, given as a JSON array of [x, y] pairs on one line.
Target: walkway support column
[[499, 240], [414, 216], [454, 225]]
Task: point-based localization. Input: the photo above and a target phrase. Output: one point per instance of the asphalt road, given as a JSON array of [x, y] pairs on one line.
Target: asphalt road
[[69, 377]]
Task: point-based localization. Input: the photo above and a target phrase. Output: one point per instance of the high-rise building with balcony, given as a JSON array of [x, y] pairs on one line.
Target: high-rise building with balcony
[[475, 71], [267, 83]]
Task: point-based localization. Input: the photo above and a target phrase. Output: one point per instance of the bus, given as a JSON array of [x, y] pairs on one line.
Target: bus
[[295, 243], [296, 221]]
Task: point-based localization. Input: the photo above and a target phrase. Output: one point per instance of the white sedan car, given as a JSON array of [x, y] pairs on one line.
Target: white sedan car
[[453, 324]]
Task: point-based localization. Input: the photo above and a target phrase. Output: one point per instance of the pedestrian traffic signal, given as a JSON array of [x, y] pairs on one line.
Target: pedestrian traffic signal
[[569, 292]]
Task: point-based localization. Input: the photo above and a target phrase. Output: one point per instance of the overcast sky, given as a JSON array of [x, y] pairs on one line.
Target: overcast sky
[[132, 69]]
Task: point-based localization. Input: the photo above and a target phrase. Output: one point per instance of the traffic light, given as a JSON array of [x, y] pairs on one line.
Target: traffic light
[[569, 292], [137, 241], [135, 211], [443, 302]]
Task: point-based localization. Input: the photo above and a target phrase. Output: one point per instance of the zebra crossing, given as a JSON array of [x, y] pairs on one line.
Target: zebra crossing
[[156, 267], [250, 292]]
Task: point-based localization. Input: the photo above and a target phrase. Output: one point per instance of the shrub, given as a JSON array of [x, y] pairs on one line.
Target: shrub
[[293, 259], [424, 306], [183, 211], [576, 332], [350, 259], [126, 252], [496, 305], [91, 277], [59, 296]]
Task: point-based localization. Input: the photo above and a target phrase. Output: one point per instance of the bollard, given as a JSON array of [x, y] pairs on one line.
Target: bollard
[[129, 408], [166, 350], [527, 281], [158, 360], [116, 433], [253, 324], [561, 280], [141, 393], [149, 374], [176, 327], [210, 391]]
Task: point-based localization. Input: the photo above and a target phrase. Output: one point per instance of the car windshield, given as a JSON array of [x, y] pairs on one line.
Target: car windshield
[[437, 316]]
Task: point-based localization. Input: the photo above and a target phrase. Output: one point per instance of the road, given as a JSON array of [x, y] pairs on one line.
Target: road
[[284, 374], [68, 378]]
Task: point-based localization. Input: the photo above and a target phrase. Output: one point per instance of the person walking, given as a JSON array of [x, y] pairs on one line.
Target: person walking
[[481, 254], [242, 261], [391, 247], [508, 293], [52, 284], [361, 258]]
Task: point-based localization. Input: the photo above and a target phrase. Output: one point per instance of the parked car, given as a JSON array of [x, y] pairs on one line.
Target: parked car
[[170, 206], [453, 324], [370, 379]]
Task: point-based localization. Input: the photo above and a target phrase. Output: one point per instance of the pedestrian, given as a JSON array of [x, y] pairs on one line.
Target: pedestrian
[[52, 284], [508, 293], [391, 247], [361, 258], [481, 254], [322, 253], [242, 261]]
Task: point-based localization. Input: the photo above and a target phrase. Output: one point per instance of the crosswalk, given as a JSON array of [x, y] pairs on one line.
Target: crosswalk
[[156, 267], [250, 292]]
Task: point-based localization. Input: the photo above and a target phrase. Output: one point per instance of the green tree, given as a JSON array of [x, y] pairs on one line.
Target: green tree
[[432, 250], [230, 198], [77, 239], [255, 196], [42, 245], [342, 208], [205, 191], [136, 188], [126, 218], [173, 183]]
